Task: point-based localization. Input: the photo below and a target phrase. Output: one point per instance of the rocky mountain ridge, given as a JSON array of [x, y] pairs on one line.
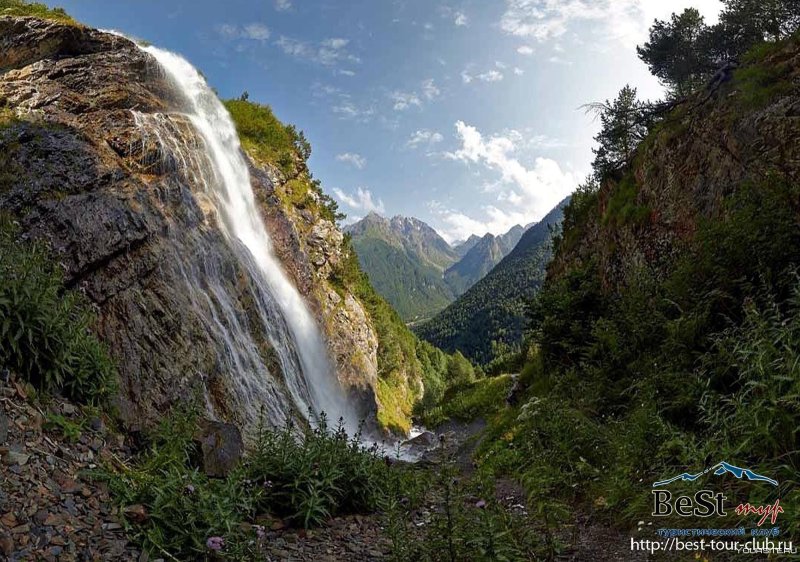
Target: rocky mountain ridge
[[415, 269]]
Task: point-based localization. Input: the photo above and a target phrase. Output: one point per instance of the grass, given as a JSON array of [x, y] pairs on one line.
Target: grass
[[34, 9], [482, 398], [302, 476]]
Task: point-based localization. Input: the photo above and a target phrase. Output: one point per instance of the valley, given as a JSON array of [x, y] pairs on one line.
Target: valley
[[201, 359]]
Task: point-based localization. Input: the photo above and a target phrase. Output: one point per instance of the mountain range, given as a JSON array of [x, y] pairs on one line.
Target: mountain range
[[415, 269], [494, 308]]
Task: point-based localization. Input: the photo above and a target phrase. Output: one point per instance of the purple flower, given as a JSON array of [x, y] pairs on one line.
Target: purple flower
[[480, 504], [267, 484], [189, 490], [260, 531], [215, 543]]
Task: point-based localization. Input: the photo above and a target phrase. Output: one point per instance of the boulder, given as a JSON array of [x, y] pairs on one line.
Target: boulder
[[221, 447]]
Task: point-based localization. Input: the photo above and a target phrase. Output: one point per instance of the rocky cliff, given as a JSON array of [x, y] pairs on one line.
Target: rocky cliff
[[732, 141], [77, 172]]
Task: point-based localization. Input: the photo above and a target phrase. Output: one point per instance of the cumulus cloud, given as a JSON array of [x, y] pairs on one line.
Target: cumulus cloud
[[524, 192], [360, 200], [424, 137], [355, 160], [254, 31], [625, 20], [283, 5], [460, 19], [518, 71], [525, 50]]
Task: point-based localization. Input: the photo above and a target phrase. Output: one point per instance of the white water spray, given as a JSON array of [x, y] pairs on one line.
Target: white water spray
[[219, 165]]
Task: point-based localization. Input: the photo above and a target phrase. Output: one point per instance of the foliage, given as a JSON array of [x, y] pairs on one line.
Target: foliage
[[624, 124], [44, 330], [71, 430], [184, 507], [465, 523], [676, 55], [470, 401], [35, 9], [684, 52], [675, 365], [403, 361], [304, 476], [318, 475], [414, 288], [268, 140], [492, 312]]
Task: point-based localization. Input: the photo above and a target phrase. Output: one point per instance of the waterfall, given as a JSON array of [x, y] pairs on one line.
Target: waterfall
[[211, 157]]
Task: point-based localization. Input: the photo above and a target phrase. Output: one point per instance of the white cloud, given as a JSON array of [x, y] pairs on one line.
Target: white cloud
[[429, 89], [336, 43], [460, 19], [404, 100], [489, 76], [361, 200], [518, 71], [627, 21], [525, 50], [424, 137], [524, 193], [283, 5], [255, 31], [346, 109], [329, 52], [356, 160]]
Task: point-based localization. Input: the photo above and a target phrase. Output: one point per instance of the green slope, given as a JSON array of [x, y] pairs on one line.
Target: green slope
[[494, 309], [413, 288]]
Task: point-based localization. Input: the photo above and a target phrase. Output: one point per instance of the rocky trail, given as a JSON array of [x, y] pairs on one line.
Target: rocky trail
[[49, 507]]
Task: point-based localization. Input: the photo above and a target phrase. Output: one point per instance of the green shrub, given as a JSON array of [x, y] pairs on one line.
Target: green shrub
[[303, 476], [35, 9], [317, 475], [184, 507], [467, 402], [44, 330]]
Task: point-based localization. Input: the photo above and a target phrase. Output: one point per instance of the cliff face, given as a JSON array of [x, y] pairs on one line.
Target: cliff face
[[76, 171], [735, 139]]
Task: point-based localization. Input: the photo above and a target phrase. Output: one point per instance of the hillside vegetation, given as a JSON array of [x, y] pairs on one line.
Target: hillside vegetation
[[665, 336], [415, 269], [490, 318]]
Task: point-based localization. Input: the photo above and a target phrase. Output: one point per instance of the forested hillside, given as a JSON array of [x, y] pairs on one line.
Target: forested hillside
[[415, 269], [665, 337], [491, 316], [480, 258]]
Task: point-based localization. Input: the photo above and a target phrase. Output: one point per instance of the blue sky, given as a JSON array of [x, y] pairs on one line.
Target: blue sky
[[464, 113]]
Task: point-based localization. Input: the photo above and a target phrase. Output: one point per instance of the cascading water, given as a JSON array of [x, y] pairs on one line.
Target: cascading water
[[210, 156]]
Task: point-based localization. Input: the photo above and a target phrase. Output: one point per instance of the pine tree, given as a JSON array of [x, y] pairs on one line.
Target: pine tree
[[676, 52], [624, 125]]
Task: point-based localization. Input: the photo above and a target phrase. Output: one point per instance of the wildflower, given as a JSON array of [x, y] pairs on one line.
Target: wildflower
[[268, 484], [260, 532], [215, 543], [481, 504], [189, 490]]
